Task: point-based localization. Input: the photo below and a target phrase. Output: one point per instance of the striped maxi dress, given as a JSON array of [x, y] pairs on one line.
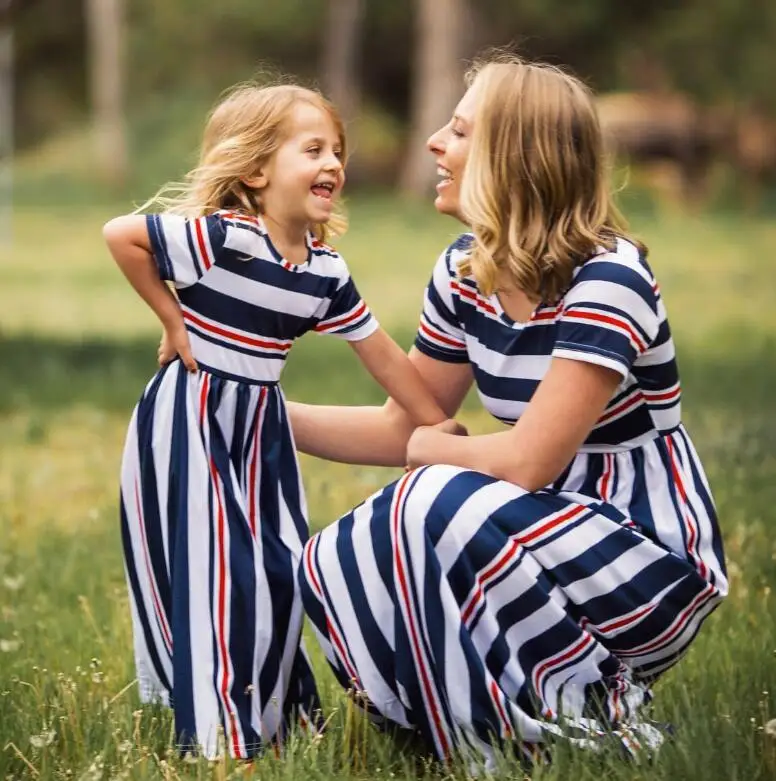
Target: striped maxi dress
[[483, 615], [213, 514]]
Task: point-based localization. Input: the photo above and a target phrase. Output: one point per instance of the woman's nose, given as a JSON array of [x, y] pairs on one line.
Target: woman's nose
[[435, 142]]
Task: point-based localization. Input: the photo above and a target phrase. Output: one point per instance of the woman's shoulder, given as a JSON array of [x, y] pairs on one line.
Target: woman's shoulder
[[625, 263], [456, 251]]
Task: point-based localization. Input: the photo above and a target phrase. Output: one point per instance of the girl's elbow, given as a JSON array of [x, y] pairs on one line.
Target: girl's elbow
[[126, 229]]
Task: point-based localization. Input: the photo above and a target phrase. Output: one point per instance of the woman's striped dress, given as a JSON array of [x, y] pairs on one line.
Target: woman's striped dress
[[479, 613], [213, 513]]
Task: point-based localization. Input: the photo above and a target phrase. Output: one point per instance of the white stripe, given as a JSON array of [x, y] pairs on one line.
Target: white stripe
[[252, 367], [206, 705], [271, 297]]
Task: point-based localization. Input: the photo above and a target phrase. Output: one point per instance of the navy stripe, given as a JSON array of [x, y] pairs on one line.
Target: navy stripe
[[178, 521]]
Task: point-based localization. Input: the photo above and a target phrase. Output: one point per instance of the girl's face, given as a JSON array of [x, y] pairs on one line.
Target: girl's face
[[303, 179], [450, 146]]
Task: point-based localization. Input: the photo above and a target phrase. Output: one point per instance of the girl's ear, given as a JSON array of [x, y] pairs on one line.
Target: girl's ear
[[257, 181]]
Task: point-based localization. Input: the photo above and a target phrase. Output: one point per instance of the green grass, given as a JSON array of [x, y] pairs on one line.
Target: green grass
[[76, 347]]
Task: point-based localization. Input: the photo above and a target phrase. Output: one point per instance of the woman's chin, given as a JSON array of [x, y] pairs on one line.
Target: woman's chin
[[445, 205]]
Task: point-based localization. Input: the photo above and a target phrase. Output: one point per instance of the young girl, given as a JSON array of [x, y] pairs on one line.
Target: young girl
[[213, 515]]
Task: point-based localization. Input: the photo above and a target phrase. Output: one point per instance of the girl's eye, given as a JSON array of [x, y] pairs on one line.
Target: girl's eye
[[456, 132], [338, 154], [314, 150]]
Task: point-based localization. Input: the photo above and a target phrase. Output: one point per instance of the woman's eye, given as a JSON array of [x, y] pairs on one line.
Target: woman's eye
[[314, 150], [456, 132]]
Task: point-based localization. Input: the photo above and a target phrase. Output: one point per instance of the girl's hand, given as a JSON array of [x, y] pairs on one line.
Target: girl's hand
[[421, 436], [175, 343]]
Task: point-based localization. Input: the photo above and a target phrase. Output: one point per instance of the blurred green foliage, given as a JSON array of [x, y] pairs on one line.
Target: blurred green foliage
[[718, 50]]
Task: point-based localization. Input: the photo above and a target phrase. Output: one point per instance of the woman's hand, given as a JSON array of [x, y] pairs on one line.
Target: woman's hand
[[175, 343], [419, 440]]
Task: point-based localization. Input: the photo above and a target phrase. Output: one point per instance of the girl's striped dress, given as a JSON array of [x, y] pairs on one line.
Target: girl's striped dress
[[481, 614], [213, 514]]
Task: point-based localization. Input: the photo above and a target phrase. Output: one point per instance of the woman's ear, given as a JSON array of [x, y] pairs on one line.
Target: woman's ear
[[257, 181]]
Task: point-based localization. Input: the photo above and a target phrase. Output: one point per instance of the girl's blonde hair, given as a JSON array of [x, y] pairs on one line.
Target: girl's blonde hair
[[535, 188], [242, 133]]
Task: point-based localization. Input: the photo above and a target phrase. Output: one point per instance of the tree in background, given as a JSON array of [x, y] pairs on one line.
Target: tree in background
[[6, 120], [341, 55], [442, 40], [106, 79]]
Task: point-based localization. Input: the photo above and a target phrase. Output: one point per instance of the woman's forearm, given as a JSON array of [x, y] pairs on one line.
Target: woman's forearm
[[375, 436]]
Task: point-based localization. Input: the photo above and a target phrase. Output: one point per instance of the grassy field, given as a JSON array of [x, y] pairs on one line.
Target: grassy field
[[76, 347]]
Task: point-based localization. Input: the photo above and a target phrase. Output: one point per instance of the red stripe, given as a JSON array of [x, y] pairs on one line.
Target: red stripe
[[215, 329], [441, 337], [203, 398], [606, 477], [221, 614], [682, 621], [254, 461], [310, 570], [624, 324], [621, 622], [344, 320], [578, 510], [663, 396], [687, 515], [343, 653], [154, 595], [632, 401], [201, 242], [487, 575], [473, 296], [546, 314], [414, 636], [494, 691], [575, 650]]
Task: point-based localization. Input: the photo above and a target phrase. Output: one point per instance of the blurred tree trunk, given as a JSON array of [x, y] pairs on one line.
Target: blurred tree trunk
[[442, 34], [341, 54], [6, 121], [104, 19]]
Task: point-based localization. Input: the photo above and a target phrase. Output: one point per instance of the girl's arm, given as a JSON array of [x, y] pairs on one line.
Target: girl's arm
[[376, 436], [533, 453], [388, 364], [129, 243]]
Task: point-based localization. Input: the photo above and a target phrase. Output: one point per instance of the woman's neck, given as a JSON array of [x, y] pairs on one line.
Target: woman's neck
[[289, 240]]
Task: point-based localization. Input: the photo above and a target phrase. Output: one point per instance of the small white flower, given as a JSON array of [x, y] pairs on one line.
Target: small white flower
[[45, 738], [125, 747], [9, 646], [13, 584]]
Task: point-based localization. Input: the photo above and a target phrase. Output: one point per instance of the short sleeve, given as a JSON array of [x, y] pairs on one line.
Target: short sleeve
[[183, 248], [439, 333], [347, 314], [611, 314]]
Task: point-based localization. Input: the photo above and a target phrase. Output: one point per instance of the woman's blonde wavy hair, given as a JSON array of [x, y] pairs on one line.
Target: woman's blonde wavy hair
[[242, 133], [535, 189]]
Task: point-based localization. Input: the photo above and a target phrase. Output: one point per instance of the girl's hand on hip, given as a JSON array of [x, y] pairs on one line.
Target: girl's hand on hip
[[175, 343]]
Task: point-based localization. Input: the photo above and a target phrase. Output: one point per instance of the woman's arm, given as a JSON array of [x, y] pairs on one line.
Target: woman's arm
[[376, 436], [565, 407], [129, 243]]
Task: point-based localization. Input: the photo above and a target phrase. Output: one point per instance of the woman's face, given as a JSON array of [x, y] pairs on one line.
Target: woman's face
[[450, 146]]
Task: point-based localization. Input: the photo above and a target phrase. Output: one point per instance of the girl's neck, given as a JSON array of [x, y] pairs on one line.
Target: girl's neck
[[289, 240]]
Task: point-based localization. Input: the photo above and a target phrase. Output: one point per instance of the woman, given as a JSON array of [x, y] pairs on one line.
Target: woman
[[532, 582]]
